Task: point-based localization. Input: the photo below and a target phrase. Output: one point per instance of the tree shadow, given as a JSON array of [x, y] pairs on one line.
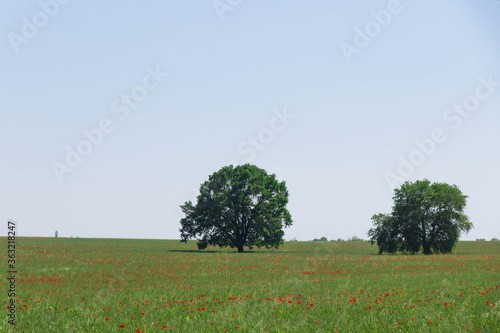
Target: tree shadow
[[194, 251], [209, 251]]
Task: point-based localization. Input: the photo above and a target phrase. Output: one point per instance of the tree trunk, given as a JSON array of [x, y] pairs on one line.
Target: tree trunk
[[240, 249], [427, 248]]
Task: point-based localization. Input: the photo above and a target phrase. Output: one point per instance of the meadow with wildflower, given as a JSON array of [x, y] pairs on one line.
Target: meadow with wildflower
[[113, 285]]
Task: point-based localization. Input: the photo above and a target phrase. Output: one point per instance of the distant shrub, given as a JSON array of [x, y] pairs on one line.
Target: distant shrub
[[480, 240], [322, 239], [495, 240], [355, 239]]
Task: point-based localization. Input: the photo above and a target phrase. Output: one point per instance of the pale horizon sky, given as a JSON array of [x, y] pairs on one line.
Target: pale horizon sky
[[330, 97]]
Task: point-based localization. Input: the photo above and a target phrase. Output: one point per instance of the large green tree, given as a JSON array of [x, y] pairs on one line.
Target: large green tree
[[425, 217], [238, 206]]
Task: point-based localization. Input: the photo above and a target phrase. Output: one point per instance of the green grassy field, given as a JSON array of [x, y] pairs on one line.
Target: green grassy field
[[114, 285]]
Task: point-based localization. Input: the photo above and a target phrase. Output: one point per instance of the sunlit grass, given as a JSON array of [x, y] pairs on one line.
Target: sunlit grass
[[76, 285]]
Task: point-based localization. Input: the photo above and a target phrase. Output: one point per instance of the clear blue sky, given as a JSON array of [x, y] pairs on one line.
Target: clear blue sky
[[356, 84]]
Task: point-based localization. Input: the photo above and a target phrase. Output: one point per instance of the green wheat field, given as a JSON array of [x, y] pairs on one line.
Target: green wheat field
[[119, 285]]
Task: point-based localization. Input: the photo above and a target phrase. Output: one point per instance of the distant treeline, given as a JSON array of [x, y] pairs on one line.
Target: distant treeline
[[324, 239]]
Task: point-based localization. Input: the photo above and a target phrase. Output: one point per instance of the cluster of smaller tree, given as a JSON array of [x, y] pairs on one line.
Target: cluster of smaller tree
[[426, 218], [352, 239]]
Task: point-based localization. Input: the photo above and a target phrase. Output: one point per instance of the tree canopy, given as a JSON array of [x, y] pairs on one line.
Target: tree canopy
[[238, 206], [425, 217]]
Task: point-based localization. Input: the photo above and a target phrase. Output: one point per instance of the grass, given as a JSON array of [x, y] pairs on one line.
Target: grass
[[98, 285]]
